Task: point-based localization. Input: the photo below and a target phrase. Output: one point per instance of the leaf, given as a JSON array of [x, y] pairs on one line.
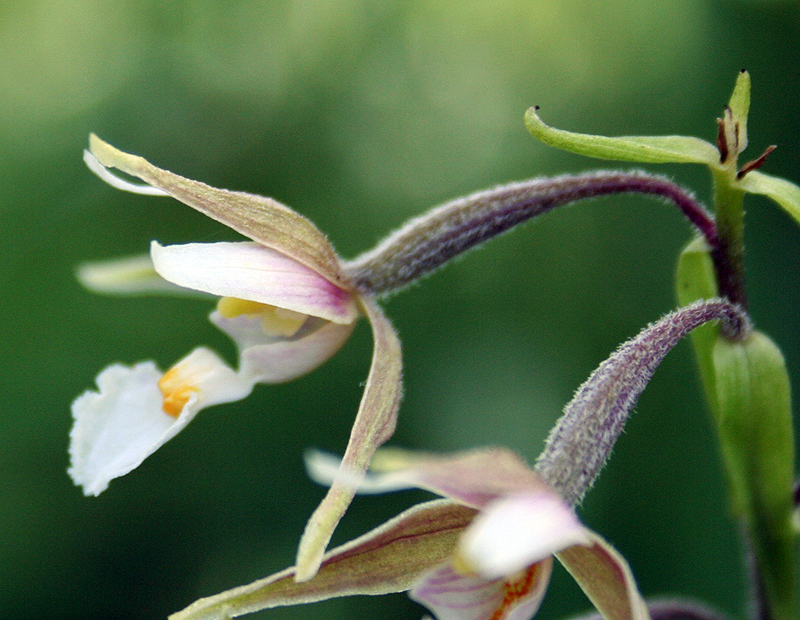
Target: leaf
[[643, 149]]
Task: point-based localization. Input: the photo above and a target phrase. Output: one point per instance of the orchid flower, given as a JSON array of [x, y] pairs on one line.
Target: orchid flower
[[283, 298], [484, 554]]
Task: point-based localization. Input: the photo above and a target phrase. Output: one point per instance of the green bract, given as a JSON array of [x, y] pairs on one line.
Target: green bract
[[755, 427]]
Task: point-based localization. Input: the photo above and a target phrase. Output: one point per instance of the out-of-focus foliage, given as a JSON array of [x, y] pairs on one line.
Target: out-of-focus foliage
[[361, 114]]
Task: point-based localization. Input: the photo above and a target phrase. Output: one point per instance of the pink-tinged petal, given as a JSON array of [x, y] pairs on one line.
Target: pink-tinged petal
[[250, 271], [138, 409], [270, 359], [450, 595], [261, 219], [374, 424], [605, 577], [474, 477], [390, 558], [516, 531]]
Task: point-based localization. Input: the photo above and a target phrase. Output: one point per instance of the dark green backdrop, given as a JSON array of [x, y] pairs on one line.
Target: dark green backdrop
[[360, 114]]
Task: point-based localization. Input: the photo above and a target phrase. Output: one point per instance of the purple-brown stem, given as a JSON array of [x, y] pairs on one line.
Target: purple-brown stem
[[427, 242]]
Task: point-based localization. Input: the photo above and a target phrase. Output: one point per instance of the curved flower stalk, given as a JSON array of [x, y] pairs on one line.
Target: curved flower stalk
[[484, 555], [284, 300]]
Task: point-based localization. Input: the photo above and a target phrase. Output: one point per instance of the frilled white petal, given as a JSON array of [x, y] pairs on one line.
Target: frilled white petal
[[250, 271], [514, 532], [272, 359], [451, 595], [124, 422]]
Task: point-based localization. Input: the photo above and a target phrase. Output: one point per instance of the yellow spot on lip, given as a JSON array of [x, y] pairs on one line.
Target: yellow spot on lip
[[274, 321], [176, 392]]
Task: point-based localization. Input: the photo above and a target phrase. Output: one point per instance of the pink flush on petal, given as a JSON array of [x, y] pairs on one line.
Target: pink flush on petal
[[246, 270]]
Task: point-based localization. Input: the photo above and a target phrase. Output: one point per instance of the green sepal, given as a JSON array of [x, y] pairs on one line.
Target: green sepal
[[642, 149], [756, 435], [696, 280]]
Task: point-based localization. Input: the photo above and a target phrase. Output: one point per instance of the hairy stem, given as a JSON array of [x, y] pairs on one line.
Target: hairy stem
[[427, 242], [582, 439]]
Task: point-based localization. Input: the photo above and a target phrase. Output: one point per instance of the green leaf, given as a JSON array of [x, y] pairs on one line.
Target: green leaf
[[643, 149], [755, 430], [784, 192]]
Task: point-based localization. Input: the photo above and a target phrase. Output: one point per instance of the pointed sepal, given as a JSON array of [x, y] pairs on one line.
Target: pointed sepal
[[263, 220]]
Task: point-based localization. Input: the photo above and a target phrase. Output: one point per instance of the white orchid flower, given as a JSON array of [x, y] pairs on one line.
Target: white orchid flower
[[283, 298]]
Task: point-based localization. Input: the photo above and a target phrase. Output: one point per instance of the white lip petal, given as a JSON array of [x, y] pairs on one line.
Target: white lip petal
[[519, 530], [250, 271], [123, 423]]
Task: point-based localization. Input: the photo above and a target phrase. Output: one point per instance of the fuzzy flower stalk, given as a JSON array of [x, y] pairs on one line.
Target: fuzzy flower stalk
[[289, 302]]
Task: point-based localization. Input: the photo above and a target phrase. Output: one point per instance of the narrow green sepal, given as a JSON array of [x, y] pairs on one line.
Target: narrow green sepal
[[642, 149], [696, 280], [784, 192], [755, 430]]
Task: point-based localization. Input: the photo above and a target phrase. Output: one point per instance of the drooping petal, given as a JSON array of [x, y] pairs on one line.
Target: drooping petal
[[261, 219], [269, 359], [250, 271], [605, 577], [643, 149], [517, 531], [137, 409], [131, 275], [784, 192], [390, 558], [374, 424], [451, 595]]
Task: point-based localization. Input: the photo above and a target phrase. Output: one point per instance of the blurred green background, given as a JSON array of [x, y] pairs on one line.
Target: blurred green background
[[360, 115]]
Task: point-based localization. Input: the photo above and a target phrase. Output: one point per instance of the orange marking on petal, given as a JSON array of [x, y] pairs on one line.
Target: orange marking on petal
[[516, 589], [176, 392]]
